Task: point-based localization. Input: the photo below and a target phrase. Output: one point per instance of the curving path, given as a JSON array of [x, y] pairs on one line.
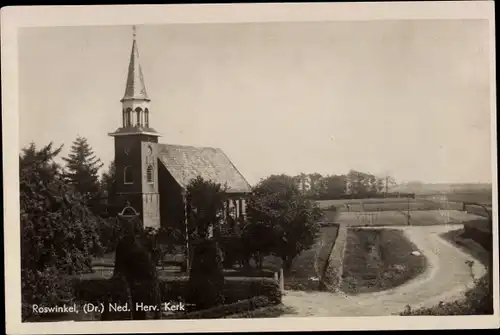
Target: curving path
[[446, 279]]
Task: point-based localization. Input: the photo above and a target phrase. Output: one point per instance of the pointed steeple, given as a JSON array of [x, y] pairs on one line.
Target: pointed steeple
[[135, 88], [135, 102]]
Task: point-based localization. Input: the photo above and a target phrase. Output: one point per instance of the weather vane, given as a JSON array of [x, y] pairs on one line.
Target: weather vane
[[133, 31]]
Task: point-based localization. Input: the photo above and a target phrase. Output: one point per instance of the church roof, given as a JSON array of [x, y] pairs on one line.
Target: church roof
[[135, 88], [186, 163]]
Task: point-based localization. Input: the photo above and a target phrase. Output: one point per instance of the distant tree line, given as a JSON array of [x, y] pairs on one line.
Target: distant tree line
[[353, 185]]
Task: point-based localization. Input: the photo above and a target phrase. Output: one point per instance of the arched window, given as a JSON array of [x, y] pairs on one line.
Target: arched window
[[128, 177], [146, 117], [128, 117], [138, 113], [124, 117], [149, 174]]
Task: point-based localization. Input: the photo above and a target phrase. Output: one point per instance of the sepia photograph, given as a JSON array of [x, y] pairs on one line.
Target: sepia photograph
[[201, 164]]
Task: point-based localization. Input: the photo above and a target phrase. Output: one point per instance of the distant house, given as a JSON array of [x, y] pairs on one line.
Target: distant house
[[152, 177]]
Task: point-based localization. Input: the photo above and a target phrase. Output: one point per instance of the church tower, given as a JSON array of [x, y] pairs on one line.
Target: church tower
[[136, 148]]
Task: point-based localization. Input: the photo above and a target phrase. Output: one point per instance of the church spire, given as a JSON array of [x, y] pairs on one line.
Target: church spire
[[135, 102], [135, 88]]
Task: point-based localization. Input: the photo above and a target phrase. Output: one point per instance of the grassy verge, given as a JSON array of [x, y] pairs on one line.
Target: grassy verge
[[309, 266], [378, 260], [332, 277]]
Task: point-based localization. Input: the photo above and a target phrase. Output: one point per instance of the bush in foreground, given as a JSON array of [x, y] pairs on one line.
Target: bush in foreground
[[477, 301], [58, 231], [206, 280], [134, 263]]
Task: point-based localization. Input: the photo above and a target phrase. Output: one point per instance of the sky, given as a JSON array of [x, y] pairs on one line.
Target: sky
[[406, 98]]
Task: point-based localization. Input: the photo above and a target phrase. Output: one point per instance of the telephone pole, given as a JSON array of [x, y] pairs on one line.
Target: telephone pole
[[408, 214], [386, 184]]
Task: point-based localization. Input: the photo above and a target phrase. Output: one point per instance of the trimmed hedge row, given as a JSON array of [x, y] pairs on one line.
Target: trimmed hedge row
[[225, 310], [97, 290], [333, 273]]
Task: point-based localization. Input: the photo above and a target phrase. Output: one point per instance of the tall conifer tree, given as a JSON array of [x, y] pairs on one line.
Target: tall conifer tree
[[82, 169]]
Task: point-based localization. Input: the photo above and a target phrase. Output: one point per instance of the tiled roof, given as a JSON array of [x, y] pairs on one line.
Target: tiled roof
[[135, 88], [186, 163]]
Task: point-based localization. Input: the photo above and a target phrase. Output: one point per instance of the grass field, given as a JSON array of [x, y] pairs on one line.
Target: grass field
[[342, 202], [377, 260], [397, 218], [388, 204], [309, 264], [482, 197]]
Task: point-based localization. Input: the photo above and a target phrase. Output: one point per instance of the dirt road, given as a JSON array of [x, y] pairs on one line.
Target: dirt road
[[446, 279]]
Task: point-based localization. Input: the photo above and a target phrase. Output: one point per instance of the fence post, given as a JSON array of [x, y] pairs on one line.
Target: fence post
[[276, 277], [282, 281]]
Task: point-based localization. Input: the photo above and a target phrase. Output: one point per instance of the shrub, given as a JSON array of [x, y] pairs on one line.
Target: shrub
[[45, 287], [110, 231], [162, 241], [206, 279], [331, 208], [58, 232], [119, 293], [133, 262], [231, 246], [277, 202], [244, 288]]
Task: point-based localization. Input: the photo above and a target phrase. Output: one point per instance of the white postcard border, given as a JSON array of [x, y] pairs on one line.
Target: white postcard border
[[13, 18]]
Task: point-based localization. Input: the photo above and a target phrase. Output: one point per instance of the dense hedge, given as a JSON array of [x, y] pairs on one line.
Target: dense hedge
[[226, 310], [235, 289]]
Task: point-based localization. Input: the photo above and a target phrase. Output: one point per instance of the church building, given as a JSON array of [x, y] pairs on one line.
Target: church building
[[151, 177]]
